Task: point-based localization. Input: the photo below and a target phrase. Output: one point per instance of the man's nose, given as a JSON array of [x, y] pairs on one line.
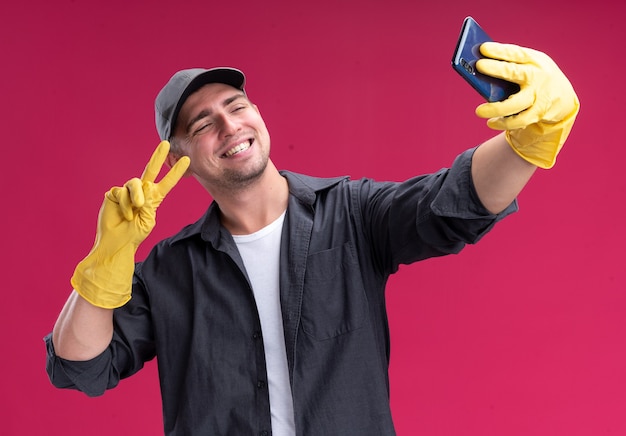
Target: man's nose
[[228, 126]]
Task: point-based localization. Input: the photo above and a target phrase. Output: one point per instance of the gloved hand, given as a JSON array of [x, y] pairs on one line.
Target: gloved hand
[[127, 216], [539, 117]]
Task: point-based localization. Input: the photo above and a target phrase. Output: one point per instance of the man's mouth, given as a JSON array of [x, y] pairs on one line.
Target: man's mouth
[[238, 148]]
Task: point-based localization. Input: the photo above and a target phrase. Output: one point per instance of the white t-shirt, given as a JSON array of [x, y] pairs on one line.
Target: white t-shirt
[[260, 252]]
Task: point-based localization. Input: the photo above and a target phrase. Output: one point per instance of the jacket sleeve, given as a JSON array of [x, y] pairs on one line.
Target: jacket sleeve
[[132, 345], [92, 377], [426, 216]]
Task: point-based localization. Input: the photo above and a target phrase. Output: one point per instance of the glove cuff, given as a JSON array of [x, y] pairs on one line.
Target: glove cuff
[[104, 284], [540, 143]]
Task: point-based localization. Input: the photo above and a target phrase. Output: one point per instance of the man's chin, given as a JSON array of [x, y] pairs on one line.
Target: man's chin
[[241, 180]]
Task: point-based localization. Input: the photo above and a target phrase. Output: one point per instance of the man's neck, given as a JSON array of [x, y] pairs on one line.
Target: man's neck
[[249, 210]]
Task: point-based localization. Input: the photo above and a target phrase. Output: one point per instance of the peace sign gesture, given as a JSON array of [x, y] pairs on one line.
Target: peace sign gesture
[[127, 216], [131, 214]]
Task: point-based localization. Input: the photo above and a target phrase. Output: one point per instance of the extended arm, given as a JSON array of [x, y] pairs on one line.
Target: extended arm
[[499, 174]]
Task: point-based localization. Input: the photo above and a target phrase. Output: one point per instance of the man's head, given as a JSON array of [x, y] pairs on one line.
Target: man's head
[[206, 115], [184, 83]]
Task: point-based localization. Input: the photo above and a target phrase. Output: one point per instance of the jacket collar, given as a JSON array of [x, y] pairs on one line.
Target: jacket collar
[[303, 187]]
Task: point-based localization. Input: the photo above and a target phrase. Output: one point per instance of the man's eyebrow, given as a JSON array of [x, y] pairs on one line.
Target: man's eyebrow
[[207, 112]]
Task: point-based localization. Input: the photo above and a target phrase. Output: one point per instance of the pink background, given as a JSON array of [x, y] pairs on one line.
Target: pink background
[[522, 334]]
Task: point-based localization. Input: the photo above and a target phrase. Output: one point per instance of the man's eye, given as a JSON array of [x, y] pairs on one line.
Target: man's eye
[[238, 108], [203, 128]]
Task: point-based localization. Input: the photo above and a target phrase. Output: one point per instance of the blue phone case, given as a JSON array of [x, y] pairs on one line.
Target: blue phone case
[[464, 62]]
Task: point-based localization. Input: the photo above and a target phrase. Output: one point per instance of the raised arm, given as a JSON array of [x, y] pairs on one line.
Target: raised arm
[[536, 122], [102, 281]]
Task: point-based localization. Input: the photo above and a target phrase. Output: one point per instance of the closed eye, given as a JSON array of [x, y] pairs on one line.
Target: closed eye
[[238, 108], [203, 128]]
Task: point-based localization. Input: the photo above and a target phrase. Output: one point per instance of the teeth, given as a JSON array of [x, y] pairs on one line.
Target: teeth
[[241, 147]]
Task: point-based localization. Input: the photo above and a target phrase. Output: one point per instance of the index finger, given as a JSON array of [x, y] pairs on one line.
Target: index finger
[[507, 52], [156, 162]]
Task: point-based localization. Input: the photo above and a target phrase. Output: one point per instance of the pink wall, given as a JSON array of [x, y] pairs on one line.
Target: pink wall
[[522, 334]]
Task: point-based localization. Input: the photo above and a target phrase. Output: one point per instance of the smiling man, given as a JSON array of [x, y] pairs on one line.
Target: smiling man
[[267, 315]]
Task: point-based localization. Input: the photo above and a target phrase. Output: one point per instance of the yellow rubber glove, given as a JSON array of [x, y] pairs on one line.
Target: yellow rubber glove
[[127, 216], [539, 117]]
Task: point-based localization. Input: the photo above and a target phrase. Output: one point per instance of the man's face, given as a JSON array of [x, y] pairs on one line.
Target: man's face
[[225, 137]]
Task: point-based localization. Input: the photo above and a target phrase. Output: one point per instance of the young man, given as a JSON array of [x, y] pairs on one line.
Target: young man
[[268, 314]]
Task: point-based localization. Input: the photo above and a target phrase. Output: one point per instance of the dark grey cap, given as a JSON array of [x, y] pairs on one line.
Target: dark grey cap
[[181, 86]]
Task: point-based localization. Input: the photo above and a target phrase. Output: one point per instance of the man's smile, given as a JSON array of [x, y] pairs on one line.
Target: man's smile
[[243, 146]]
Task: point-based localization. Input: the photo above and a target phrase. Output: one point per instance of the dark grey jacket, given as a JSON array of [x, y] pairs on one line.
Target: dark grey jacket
[[193, 307]]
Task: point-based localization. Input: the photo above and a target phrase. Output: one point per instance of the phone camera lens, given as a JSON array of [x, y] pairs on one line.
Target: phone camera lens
[[467, 66]]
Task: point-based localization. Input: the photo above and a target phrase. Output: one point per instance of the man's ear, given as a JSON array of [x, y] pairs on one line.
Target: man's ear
[[171, 160]]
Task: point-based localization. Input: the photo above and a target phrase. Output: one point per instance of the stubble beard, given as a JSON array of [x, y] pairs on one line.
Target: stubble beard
[[233, 180]]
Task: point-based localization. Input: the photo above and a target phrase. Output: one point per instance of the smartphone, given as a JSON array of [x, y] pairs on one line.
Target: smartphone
[[466, 54]]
